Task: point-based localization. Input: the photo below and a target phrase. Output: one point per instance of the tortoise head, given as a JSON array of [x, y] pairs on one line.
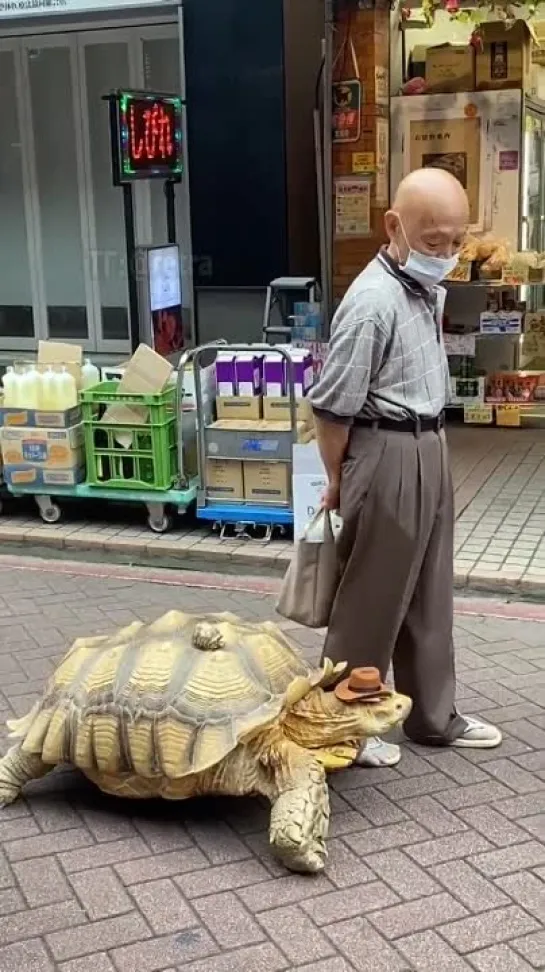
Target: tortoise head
[[322, 719]]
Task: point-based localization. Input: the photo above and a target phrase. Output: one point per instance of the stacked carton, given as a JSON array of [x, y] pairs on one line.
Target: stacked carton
[[45, 448], [253, 396]]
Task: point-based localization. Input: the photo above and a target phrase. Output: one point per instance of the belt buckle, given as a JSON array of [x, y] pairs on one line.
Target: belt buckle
[[417, 427]]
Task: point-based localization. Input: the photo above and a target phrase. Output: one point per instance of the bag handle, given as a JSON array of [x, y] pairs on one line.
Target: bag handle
[[328, 526]]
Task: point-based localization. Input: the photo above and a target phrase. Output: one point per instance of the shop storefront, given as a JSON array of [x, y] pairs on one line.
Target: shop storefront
[[248, 154], [473, 102], [63, 271]]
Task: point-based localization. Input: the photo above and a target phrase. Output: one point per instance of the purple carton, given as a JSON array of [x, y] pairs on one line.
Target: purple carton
[[274, 374], [302, 370], [248, 372], [226, 375]]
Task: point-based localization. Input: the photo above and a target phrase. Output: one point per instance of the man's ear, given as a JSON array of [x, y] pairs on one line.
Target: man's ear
[[390, 224]]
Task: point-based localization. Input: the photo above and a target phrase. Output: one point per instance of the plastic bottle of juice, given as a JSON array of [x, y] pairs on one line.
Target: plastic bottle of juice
[[48, 397], [67, 390], [90, 374], [9, 385], [17, 387], [30, 388]]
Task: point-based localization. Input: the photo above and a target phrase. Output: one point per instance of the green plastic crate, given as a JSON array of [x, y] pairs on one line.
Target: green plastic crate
[[162, 406], [150, 460]]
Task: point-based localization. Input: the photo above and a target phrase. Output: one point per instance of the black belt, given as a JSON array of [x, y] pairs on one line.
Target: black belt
[[416, 425]]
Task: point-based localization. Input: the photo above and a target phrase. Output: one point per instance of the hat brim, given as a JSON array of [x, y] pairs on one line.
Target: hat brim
[[345, 694]]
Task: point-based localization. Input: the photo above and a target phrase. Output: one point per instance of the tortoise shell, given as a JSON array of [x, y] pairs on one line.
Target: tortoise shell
[[167, 699]]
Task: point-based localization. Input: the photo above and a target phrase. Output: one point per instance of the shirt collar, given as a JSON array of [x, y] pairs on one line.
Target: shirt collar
[[396, 271]]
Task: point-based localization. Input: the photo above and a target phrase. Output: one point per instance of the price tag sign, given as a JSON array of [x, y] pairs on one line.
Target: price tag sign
[[508, 414], [478, 414], [363, 163], [459, 344]]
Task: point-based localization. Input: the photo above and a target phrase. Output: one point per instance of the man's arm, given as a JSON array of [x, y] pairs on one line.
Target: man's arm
[[332, 438], [355, 353]]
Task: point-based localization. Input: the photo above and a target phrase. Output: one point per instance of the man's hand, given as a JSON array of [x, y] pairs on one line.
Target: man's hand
[[331, 500]]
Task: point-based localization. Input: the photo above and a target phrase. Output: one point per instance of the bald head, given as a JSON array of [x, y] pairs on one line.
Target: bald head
[[430, 214]]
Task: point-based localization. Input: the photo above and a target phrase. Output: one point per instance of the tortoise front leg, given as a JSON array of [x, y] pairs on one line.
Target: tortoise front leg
[[300, 813], [16, 769]]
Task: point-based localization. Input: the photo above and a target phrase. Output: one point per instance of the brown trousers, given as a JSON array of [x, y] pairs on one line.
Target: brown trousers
[[395, 599]]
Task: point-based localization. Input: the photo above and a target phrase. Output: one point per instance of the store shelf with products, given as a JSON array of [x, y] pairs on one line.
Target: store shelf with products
[[470, 98], [494, 340]]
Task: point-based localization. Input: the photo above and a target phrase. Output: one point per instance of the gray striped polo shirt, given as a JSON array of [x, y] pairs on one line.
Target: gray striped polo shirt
[[386, 355]]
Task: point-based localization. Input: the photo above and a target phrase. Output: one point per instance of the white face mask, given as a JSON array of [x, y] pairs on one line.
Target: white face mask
[[426, 270]]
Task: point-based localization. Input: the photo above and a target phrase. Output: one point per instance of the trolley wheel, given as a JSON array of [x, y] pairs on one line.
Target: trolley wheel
[[51, 514], [160, 524]]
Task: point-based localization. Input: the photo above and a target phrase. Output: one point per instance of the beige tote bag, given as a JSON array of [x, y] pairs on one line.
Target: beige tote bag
[[310, 584]]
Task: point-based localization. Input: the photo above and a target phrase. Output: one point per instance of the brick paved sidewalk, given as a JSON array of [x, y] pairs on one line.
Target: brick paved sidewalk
[[436, 865]]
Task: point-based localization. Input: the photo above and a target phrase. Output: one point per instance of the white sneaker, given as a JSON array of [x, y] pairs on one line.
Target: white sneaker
[[478, 735], [375, 752]]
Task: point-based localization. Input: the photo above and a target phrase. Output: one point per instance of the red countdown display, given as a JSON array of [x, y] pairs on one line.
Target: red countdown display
[[148, 136]]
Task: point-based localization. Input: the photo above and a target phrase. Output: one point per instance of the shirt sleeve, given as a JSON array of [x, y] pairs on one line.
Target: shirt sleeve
[[356, 352]]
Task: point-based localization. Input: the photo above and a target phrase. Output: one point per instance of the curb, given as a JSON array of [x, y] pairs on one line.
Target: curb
[[500, 582], [184, 552], [492, 607]]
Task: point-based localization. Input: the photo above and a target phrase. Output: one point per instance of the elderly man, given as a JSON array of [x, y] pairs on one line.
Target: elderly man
[[379, 418]]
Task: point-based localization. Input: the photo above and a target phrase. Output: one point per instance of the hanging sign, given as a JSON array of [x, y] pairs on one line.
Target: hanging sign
[[39, 8], [501, 322], [346, 103], [381, 87], [352, 206], [146, 131], [382, 163]]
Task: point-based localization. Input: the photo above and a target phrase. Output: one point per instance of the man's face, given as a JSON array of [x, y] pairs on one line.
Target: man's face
[[441, 237]]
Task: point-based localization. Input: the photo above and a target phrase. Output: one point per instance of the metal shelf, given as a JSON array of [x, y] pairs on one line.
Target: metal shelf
[[490, 284], [246, 512]]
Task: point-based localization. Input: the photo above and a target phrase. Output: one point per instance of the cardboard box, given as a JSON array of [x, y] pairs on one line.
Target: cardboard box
[[55, 353], [30, 418], [278, 410], [147, 373], [450, 68], [308, 485], [32, 476], [267, 482], [224, 479], [45, 448], [245, 407], [304, 433], [506, 56]]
